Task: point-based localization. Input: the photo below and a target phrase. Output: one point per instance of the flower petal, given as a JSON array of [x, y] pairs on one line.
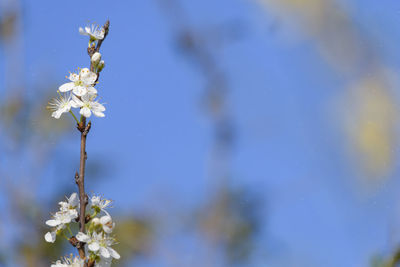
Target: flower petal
[[73, 77], [98, 107], [85, 111], [50, 237], [105, 219], [73, 200], [89, 78], [82, 31], [94, 246], [79, 90], [98, 114], [104, 252], [113, 253], [76, 102], [53, 223], [56, 114], [65, 108], [92, 90], [82, 237], [66, 87]]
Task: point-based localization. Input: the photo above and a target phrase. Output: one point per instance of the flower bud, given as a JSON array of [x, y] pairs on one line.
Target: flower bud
[[96, 58], [100, 66], [96, 221]]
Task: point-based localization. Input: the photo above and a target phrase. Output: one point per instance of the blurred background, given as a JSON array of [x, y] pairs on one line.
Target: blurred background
[[237, 132]]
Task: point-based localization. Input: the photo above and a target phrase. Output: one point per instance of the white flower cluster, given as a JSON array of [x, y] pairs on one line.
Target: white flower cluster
[[98, 231], [62, 218], [79, 92]]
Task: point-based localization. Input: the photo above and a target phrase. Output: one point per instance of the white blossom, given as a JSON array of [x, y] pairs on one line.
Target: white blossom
[[107, 224], [71, 203], [60, 105], [67, 213], [81, 84], [94, 32], [100, 204], [62, 217], [88, 106], [51, 236], [71, 262], [99, 244], [104, 224]]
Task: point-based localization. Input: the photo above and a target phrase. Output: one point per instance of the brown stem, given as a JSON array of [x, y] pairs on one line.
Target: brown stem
[[80, 180]]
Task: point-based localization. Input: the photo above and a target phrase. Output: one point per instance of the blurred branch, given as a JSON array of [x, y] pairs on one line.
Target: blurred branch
[[222, 220]]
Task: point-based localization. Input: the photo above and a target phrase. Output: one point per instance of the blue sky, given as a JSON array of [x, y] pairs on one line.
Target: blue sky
[[157, 137]]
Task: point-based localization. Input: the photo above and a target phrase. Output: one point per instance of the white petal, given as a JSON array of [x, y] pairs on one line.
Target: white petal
[[53, 223], [85, 111], [82, 237], [76, 102], [73, 214], [92, 90], [94, 246], [107, 229], [89, 78], [79, 90], [50, 237], [82, 31], [56, 114], [104, 252], [98, 107], [73, 200], [95, 200], [98, 114], [84, 72], [86, 98], [66, 220], [113, 253], [66, 108], [96, 221], [105, 219], [66, 87], [73, 77]]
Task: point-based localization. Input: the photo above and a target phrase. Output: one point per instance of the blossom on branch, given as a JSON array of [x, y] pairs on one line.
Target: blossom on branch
[[67, 213], [60, 105], [51, 236], [95, 245], [81, 84], [88, 105], [99, 244], [99, 204], [107, 224], [94, 32]]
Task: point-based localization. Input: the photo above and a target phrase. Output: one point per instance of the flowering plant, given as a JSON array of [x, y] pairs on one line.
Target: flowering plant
[[94, 239]]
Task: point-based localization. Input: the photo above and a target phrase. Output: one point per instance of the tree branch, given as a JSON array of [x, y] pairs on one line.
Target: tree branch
[[80, 178]]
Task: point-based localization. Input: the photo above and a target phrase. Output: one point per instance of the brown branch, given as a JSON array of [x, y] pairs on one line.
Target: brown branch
[[80, 181], [80, 178]]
